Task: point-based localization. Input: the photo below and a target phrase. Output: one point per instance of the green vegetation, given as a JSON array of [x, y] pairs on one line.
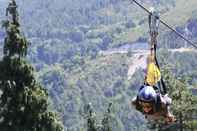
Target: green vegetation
[[66, 37], [23, 101], [184, 103], [92, 125]]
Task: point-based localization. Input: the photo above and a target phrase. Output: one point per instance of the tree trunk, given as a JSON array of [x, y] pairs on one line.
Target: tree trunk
[[181, 121]]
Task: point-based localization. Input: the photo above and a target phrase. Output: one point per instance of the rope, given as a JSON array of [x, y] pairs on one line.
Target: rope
[[162, 81], [161, 84], [168, 26], [165, 24], [153, 34]]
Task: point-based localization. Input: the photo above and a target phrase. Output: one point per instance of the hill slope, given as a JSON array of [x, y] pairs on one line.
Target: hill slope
[[67, 36]]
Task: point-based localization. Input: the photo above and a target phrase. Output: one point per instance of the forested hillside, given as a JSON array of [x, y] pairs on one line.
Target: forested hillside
[[67, 37]]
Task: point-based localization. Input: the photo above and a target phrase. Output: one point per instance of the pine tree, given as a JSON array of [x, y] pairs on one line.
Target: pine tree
[[106, 126], [23, 102], [92, 125], [184, 104], [91, 119]]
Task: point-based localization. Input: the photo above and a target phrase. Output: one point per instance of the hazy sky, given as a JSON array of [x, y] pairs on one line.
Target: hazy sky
[[3, 1]]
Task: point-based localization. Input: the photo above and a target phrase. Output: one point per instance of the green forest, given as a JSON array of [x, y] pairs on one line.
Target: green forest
[[64, 64]]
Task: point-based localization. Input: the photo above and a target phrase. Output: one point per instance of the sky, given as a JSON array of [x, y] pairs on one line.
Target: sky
[[3, 0]]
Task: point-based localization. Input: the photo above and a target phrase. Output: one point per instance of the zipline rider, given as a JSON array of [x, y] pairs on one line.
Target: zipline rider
[[152, 99]]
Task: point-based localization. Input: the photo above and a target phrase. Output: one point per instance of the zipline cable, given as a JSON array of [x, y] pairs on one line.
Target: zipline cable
[[168, 26]]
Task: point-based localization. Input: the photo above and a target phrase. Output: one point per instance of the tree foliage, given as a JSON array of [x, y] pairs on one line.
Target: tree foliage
[[23, 101], [184, 103], [92, 124]]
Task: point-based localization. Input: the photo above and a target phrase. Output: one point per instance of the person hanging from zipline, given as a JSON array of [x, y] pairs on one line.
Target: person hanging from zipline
[[152, 100], [153, 105]]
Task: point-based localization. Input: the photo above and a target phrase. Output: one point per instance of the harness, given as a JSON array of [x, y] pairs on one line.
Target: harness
[[153, 76], [153, 30]]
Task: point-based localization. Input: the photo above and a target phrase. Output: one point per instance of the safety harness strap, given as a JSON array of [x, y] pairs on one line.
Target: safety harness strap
[[153, 26]]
